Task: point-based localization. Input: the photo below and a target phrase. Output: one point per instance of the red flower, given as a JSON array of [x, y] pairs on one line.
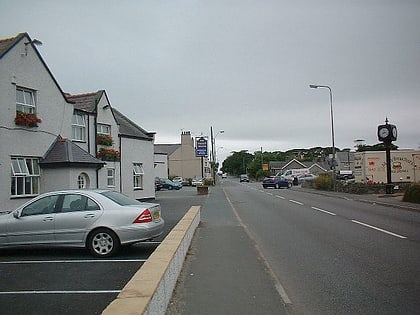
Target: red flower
[[108, 154], [104, 140], [26, 119]]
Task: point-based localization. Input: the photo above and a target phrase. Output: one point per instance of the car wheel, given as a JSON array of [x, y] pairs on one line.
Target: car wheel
[[170, 188], [103, 243], [289, 185]]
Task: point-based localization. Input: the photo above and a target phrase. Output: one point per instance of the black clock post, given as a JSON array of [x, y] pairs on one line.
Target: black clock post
[[386, 134]]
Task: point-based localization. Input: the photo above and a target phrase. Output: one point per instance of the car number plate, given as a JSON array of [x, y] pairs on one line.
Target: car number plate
[[156, 215]]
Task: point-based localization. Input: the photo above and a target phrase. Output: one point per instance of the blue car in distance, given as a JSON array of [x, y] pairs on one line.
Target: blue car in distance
[[276, 182], [168, 184]]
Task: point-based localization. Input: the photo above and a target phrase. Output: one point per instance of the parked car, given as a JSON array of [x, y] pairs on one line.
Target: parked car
[[177, 179], [304, 177], [158, 183], [197, 181], [244, 178], [181, 180], [276, 182], [224, 175], [100, 220], [168, 184]]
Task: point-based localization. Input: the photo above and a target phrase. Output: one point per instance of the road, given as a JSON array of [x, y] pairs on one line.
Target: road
[[332, 255]]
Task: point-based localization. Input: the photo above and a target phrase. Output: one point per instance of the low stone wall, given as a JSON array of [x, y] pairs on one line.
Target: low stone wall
[[150, 289]]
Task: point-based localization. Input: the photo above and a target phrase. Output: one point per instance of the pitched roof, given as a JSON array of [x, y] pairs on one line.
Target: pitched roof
[[86, 102], [166, 148], [7, 43], [64, 152], [130, 129]]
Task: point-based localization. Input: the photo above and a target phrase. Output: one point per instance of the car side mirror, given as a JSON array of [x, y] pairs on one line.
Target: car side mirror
[[16, 214]]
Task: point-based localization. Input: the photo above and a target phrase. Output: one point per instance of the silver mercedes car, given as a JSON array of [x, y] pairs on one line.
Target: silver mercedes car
[[100, 220]]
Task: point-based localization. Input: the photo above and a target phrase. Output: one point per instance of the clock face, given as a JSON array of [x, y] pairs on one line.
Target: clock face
[[394, 132], [383, 132]]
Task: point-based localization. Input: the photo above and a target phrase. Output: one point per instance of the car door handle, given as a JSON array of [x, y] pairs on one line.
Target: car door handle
[[88, 216], [48, 219]]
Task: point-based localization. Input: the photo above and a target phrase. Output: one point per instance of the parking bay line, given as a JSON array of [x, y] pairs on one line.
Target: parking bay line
[[61, 292], [379, 229], [71, 261]]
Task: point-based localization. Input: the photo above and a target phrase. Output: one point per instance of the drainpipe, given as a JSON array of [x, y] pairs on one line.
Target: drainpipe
[[120, 148], [95, 145]]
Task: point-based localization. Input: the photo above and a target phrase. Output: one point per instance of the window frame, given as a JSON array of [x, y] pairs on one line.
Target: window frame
[[110, 177], [138, 174], [100, 131], [78, 126], [25, 176], [25, 106]]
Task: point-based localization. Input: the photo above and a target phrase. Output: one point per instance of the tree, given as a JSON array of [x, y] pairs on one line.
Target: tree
[[237, 163]]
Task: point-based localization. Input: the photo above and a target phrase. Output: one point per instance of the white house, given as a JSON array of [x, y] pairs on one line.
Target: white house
[[50, 140]]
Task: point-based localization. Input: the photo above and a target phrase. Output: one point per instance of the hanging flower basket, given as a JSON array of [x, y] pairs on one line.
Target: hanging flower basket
[[108, 154], [105, 140], [27, 119]]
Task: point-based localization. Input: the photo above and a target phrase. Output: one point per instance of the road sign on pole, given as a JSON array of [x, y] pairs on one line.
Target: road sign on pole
[[201, 147]]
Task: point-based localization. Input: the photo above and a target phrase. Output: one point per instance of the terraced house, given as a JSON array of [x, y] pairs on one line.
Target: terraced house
[[52, 140]]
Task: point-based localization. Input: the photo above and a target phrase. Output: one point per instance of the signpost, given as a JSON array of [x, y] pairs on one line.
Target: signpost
[[201, 150]]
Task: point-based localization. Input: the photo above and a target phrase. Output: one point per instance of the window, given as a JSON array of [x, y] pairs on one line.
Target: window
[[104, 129], [138, 173], [83, 181], [25, 176], [25, 101], [78, 127], [73, 202], [110, 177], [44, 205]]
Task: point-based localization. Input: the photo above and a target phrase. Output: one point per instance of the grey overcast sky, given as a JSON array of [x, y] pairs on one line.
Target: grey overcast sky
[[242, 66]]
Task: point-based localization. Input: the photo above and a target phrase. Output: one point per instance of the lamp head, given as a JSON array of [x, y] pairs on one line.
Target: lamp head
[[313, 86]]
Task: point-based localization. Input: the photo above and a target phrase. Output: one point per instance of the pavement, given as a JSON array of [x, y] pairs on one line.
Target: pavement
[[224, 272]]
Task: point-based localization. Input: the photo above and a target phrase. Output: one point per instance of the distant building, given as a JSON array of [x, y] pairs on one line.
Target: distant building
[[314, 168], [182, 159]]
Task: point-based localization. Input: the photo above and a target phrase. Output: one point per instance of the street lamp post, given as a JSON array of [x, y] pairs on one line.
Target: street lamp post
[[315, 86], [213, 151]]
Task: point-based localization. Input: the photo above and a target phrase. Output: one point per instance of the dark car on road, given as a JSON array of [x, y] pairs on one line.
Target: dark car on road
[[244, 178], [276, 182]]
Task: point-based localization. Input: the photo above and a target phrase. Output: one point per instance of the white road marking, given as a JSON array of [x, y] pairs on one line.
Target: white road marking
[[279, 287], [378, 229], [71, 261], [281, 197], [61, 292], [296, 202], [322, 210]]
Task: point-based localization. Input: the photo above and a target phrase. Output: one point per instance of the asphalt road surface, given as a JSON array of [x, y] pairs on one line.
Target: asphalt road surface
[[332, 255]]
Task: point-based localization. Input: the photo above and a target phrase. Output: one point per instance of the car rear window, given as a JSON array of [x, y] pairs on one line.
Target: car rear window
[[120, 199]]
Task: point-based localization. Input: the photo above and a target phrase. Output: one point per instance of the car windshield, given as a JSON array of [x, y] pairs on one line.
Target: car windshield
[[120, 199]]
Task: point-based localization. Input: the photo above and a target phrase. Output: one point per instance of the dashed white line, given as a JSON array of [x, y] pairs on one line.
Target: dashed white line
[[281, 197], [378, 229], [322, 210], [296, 202]]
